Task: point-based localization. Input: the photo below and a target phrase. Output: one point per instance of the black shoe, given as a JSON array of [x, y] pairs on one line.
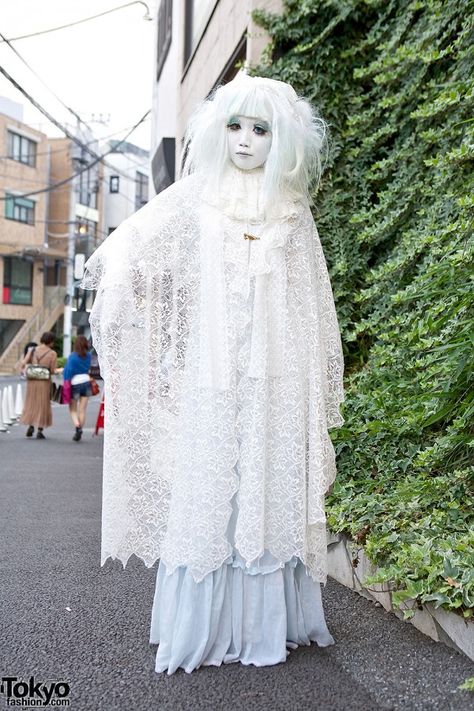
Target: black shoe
[[29, 431], [77, 436], [40, 435]]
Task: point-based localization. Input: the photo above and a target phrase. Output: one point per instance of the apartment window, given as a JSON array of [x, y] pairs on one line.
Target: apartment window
[[141, 190], [21, 149], [165, 14], [196, 17], [114, 183], [17, 281], [88, 188], [19, 209]]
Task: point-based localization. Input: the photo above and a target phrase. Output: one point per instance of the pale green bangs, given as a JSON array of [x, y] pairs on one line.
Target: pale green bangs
[[250, 103]]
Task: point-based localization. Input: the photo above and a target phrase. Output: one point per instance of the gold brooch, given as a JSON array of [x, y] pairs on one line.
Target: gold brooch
[[246, 236]]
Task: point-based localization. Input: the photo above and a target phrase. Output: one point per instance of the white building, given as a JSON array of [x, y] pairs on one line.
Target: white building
[[126, 177], [199, 45], [165, 95]]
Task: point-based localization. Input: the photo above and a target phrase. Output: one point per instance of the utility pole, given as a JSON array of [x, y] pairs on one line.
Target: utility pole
[[71, 252]]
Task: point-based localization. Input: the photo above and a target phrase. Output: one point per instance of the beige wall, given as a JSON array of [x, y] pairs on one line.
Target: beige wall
[[257, 38], [230, 20], [17, 177], [16, 236], [60, 198]]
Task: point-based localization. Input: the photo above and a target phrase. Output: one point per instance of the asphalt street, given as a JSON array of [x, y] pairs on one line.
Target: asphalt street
[[64, 617]]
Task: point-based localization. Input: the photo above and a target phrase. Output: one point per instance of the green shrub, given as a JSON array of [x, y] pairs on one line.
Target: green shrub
[[395, 80]]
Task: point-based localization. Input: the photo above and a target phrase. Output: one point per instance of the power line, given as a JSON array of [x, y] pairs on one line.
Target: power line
[[47, 153], [74, 113], [16, 180], [63, 104], [147, 16], [62, 150], [72, 137], [118, 171], [68, 108], [45, 112], [87, 167], [104, 179]]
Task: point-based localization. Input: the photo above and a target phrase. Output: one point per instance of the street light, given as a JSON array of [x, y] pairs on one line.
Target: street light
[[147, 16]]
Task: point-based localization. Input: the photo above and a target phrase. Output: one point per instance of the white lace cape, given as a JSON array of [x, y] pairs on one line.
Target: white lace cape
[[223, 367]]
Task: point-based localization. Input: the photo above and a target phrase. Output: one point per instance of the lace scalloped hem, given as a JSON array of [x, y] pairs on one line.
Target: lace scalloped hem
[[233, 615]]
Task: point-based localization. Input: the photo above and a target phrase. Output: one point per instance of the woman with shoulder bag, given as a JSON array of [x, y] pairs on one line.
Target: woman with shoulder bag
[[82, 385], [38, 365]]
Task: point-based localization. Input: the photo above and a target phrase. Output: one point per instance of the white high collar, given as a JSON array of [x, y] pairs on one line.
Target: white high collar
[[239, 196]]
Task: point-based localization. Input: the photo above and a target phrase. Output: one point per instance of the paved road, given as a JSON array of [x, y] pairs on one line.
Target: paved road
[[62, 616]]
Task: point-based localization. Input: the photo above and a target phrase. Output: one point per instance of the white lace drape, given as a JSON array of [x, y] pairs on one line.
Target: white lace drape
[[223, 368]]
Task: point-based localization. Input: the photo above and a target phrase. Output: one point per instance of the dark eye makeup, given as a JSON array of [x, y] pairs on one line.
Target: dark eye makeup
[[258, 128]]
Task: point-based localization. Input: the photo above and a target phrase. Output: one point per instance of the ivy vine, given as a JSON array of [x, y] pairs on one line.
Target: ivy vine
[[395, 81]]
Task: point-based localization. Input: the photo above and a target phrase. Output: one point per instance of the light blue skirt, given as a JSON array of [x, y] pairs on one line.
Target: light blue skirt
[[235, 614]]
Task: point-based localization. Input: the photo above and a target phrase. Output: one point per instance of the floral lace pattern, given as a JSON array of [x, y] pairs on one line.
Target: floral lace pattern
[[222, 364]]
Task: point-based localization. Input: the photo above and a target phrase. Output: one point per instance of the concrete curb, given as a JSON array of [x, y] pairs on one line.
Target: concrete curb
[[439, 624]]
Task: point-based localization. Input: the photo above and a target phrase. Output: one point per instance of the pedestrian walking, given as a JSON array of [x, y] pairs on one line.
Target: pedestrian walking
[[37, 408], [221, 354], [77, 371]]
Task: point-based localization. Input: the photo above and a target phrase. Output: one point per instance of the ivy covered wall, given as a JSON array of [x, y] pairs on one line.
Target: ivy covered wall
[[395, 81]]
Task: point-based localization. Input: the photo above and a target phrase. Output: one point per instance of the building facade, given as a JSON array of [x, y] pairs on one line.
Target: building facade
[[126, 178], [27, 304], [50, 217], [199, 45]]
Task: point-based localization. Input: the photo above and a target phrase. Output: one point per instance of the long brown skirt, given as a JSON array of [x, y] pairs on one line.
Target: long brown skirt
[[37, 409]]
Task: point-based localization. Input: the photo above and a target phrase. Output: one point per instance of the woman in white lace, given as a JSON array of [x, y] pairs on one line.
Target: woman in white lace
[[219, 345]]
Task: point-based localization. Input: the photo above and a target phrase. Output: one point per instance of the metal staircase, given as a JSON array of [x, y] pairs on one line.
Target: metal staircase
[[43, 320]]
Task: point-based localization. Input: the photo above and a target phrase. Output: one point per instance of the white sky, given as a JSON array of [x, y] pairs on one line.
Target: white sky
[[104, 66]]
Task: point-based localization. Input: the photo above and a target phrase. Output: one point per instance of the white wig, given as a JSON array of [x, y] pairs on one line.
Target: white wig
[[298, 135]]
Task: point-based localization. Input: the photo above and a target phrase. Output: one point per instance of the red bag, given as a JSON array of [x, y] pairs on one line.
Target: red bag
[[67, 392], [95, 390]]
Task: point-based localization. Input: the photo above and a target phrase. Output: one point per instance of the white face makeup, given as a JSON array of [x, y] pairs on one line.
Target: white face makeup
[[249, 141]]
